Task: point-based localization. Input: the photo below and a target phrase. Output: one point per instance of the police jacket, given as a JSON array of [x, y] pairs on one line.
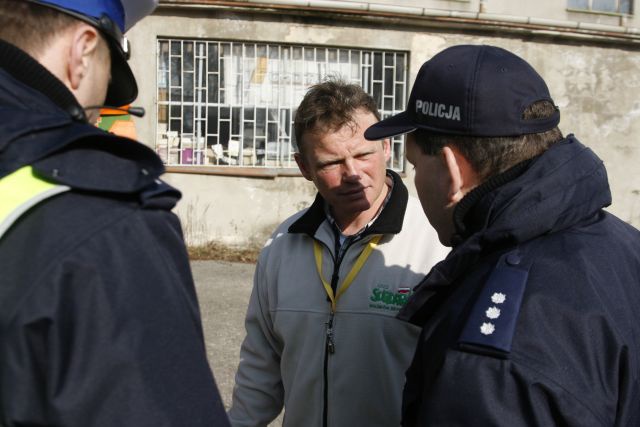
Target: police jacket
[[343, 369], [532, 320], [99, 321]]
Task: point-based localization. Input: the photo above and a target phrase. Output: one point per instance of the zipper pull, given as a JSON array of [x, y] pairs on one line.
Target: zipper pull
[[331, 347]]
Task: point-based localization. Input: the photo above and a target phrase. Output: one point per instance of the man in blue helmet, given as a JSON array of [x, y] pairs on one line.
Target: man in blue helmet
[[532, 319], [99, 321]]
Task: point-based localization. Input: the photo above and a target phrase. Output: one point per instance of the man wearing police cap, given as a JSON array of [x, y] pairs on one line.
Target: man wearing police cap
[[99, 323], [532, 320]]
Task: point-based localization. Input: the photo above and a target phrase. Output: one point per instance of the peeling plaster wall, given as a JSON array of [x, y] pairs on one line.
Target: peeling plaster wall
[[596, 87]]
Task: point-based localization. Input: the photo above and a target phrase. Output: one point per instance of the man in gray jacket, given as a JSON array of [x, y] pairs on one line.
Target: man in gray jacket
[[322, 337]]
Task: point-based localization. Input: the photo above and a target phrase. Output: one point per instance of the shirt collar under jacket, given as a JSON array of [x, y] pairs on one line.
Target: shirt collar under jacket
[[341, 239], [389, 221]]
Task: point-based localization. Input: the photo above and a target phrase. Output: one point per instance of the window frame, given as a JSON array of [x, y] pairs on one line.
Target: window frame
[[591, 10], [395, 98]]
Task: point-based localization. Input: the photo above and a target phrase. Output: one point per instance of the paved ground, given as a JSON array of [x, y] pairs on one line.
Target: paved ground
[[223, 291]]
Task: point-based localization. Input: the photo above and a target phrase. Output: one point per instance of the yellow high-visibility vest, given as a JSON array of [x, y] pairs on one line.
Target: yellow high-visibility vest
[[22, 190]]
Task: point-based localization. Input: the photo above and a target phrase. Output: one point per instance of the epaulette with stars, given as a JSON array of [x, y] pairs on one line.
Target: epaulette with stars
[[491, 324]]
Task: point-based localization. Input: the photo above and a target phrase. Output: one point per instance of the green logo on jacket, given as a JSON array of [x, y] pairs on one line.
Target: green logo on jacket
[[383, 298]]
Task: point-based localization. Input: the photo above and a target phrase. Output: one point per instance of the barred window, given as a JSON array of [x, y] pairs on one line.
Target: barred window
[[232, 104], [611, 6]]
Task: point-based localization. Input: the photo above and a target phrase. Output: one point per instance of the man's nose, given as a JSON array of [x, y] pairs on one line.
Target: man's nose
[[350, 171]]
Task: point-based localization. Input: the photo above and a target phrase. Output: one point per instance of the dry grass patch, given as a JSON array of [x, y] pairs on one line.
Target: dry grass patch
[[220, 252]]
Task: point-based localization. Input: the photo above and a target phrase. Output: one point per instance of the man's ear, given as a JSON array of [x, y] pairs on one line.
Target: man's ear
[[84, 44], [302, 166], [462, 176]]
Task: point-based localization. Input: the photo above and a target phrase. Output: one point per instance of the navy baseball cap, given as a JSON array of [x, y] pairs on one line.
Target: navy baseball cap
[[113, 18], [471, 90]]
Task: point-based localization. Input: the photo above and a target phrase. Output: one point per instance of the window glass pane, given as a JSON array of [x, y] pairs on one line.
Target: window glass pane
[[625, 6], [213, 57], [176, 71], [274, 52], [604, 5], [578, 4], [163, 92], [272, 132], [212, 120], [377, 66], [213, 88], [388, 59], [162, 114], [388, 81], [399, 97], [377, 93], [235, 120], [248, 134], [188, 87], [400, 68], [188, 56], [224, 132], [176, 47], [176, 95], [308, 54], [261, 116], [237, 50], [164, 55], [187, 120], [388, 104]]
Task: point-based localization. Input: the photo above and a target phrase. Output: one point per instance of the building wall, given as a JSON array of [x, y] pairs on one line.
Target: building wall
[[595, 83]]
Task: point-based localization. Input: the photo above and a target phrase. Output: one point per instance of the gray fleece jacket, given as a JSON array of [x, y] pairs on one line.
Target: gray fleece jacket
[[285, 359]]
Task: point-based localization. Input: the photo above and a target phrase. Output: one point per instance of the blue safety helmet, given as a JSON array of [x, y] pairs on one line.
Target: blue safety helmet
[[113, 18]]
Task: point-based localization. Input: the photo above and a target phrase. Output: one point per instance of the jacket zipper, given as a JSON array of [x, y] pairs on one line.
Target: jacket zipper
[[330, 347]]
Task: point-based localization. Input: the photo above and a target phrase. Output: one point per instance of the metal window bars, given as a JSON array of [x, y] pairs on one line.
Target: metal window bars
[[232, 103]]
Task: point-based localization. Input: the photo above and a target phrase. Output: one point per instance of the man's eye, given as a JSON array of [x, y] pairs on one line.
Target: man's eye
[[328, 166]]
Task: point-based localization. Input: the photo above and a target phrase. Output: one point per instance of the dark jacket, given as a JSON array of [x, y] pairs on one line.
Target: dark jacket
[[532, 320], [99, 321]]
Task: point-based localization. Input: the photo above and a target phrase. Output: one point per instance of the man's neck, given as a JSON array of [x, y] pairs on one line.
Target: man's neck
[[351, 224]]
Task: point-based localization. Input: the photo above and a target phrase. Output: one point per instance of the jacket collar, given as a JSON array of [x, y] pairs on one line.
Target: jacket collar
[[469, 215], [564, 186], [29, 72], [388, 222]]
